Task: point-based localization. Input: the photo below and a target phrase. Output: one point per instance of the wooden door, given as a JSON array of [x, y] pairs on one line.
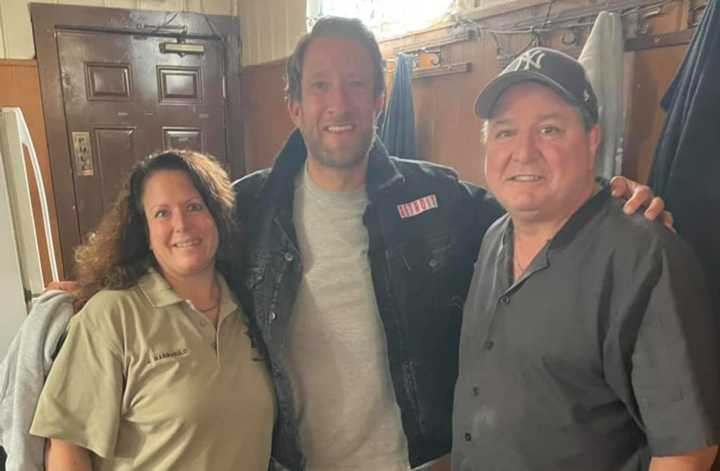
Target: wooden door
[[119, 84], [127, 98]]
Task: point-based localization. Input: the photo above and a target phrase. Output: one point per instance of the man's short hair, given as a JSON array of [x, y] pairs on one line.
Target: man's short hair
[[337, 27]]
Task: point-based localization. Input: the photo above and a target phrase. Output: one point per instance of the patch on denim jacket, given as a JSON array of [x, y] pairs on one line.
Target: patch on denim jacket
[[419, 206]]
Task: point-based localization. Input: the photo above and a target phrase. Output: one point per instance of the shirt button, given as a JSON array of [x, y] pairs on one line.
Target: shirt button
[[476, 391], [272, 316], [489, 344], [433, 263], [468, 437], [289, 257], [505, 299]]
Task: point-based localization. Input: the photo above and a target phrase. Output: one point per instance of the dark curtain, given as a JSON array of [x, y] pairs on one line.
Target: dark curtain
[[398, 128], [686, 166]]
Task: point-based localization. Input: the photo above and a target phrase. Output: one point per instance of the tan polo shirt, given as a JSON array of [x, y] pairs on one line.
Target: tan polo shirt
[[146, 382]]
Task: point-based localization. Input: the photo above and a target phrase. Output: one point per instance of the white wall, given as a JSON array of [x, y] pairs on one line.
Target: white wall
[[16, 40], [270, 28]]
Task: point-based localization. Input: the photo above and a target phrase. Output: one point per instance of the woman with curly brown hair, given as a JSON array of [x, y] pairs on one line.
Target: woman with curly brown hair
[[157, 371]]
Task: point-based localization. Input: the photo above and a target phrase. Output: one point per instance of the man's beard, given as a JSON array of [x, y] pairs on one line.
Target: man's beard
[[341, 159]]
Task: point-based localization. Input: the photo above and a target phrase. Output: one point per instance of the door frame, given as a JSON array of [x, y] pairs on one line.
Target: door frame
[[47, 19]]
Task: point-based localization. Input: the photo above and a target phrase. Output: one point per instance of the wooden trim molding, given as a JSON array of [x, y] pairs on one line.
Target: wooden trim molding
[[445, 69], [20, 87], [264, 65], [452, 38], [482, 13], [19, 62], [659, 40]]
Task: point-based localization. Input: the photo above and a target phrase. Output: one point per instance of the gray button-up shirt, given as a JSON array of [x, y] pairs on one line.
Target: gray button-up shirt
[[603, 354]]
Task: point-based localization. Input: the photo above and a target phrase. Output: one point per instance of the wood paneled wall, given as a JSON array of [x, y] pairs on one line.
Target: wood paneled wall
[[447, 130], [265, 116], [20, 87], [270, 28], [652, 72]]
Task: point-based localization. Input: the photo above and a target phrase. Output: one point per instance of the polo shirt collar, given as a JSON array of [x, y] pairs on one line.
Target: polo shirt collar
[[228, 305], [157, 289], [160, 294]]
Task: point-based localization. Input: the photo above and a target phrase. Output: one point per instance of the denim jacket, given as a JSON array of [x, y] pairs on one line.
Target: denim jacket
[[424, 229]]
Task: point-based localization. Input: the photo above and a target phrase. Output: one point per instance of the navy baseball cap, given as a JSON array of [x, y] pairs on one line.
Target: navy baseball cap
[[563, 74]]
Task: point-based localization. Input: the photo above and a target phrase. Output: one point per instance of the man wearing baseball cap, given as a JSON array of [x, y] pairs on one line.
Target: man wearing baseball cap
[[587, 340]]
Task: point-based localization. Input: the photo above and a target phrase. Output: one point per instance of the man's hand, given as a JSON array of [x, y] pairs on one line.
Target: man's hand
[[69, 286], [698, 460], [639, 195]]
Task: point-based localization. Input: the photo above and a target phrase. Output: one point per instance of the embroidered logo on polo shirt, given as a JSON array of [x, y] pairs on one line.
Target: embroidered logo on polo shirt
[[172, 354], [419, 206]]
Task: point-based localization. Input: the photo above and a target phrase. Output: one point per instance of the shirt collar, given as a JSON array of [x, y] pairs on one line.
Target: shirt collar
[[564, 237], [158, 291], [156, 288], [228, 304], [580, 218], [506, 253]]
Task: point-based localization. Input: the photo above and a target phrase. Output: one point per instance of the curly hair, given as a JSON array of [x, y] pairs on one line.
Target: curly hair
[[334, 27], [118, 253]]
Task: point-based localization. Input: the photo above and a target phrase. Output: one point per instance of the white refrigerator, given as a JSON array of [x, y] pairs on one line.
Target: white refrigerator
[[20, 266]]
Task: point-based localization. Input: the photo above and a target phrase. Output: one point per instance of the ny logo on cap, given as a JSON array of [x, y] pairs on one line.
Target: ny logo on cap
[[528, 59]]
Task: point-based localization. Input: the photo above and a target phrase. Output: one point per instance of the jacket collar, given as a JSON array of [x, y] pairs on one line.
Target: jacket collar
[[382, 170], [381, 174]]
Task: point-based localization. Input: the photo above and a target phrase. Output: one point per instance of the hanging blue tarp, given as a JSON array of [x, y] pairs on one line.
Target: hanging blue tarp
[[398, 129]]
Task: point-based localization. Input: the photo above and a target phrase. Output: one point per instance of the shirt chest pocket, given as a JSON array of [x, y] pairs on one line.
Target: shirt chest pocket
[[430, 256], [428, 267]]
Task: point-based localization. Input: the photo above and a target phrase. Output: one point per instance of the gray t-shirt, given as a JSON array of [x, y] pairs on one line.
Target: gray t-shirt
[[347, 414]]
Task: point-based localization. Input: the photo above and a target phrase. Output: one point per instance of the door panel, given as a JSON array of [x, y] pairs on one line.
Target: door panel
[[133, 99], [109, 143]]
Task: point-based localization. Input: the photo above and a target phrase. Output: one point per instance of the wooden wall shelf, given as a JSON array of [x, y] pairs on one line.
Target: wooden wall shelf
[[439, 70]]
